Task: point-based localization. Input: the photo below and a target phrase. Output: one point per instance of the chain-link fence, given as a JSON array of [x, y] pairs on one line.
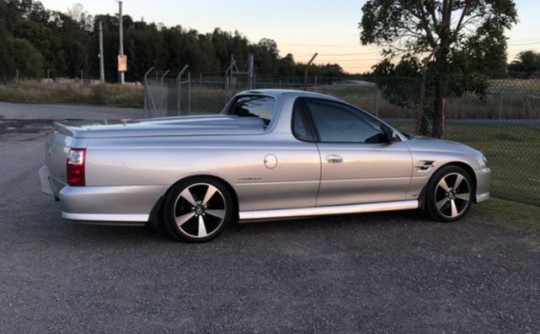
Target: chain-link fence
[[503, 122]]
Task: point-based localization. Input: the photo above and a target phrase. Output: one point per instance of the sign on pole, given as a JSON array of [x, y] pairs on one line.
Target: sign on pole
[[122, 63]]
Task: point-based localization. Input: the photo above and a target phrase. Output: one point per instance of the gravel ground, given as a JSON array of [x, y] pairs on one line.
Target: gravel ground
[[373, 273]]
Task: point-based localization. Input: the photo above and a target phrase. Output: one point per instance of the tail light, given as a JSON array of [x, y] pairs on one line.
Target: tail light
[[75, 167]]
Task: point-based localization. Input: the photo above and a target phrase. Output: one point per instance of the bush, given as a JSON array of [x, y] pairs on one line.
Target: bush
[[31, 91]]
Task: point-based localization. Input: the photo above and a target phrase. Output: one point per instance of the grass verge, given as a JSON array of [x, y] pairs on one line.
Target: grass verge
[[508, 213], [101, 94]]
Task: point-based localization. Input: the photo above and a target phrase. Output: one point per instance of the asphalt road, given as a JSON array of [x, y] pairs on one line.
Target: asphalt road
[[374, 273]]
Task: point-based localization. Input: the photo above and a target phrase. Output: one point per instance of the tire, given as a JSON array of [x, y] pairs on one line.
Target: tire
[[449, 194], [197, 209]]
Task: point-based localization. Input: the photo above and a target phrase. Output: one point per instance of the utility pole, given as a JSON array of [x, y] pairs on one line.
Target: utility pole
[[101, 60], [121, 51]]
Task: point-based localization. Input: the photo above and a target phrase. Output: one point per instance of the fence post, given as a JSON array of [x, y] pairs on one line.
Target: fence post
[[163, 77], [189, 92], [500, 110], [148, 93], [377, 100], [251, 67], [163, 96], [179, 90]]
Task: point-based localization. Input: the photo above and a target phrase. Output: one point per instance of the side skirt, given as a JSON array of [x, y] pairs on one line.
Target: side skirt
[[247, 216], [107, 219]]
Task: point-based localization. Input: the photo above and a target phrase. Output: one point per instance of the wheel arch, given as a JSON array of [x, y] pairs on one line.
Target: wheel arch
[[460, 164], [156, 212]]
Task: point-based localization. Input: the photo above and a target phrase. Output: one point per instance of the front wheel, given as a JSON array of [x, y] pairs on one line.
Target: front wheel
[[197, 209], [448, 194]]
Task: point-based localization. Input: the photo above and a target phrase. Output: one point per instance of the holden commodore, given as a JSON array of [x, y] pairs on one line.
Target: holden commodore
[[270, 154]]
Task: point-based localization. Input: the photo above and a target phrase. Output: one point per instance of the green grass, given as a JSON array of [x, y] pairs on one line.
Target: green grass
[[507, 213], [513, 154]]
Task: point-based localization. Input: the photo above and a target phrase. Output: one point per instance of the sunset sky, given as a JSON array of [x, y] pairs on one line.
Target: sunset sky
[[299, 27]]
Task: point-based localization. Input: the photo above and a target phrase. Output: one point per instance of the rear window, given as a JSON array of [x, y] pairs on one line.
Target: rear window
[[253, 106]]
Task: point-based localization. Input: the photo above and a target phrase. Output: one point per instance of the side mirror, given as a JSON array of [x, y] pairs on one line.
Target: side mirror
[[389, 134]]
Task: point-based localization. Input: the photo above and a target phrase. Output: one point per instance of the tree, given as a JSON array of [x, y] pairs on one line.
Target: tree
[[28, 59], [399, 84], [266, 56], [446, 33], [286, 65], [37, 41], [6, 58], [79, 15], [7, 64], [527, 62], [76, 44]]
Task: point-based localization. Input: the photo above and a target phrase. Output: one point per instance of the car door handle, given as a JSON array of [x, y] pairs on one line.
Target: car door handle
[[334, 159]]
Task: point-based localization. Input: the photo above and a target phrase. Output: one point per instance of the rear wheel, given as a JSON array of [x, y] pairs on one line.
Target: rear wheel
[[448, 194], [197, 209]]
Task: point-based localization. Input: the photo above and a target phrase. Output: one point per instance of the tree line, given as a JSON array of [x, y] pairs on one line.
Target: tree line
[[37, 42], [452, 47]]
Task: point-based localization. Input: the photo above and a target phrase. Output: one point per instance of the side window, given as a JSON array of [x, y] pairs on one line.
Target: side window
[[300, 127], [254, 106], [339, 123]]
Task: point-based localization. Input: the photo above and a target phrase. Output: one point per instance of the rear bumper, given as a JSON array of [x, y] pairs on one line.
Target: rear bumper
[[46, 186], [118, 205], [49, 184]]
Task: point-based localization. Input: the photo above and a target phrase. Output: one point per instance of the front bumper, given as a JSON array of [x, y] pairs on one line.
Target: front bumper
[[483, 178]]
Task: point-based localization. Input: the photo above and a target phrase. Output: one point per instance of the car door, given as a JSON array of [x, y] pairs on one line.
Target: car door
[[276, 171], [358, 164]]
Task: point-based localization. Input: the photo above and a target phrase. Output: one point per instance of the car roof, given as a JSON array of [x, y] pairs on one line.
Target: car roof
[[278, 92]]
